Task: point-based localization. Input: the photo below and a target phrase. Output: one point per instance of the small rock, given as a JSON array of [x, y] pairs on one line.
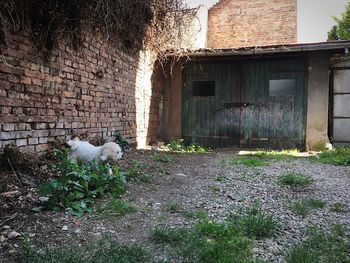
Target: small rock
[[2, 239], [13, 235], [78, 231], [65, 228], [43, 199], [157, 205], [6, 227], [16, 246], [12, 251], [181, 174]]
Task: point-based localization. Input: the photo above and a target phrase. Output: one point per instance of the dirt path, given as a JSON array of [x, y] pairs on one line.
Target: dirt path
[[199, 182]]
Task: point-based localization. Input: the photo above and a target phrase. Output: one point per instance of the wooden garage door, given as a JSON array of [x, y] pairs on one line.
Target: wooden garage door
[[250, 104]]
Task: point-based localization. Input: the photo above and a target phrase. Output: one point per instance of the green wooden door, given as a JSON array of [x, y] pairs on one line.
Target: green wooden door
[[207, 118], [255, 104], [274, 92]]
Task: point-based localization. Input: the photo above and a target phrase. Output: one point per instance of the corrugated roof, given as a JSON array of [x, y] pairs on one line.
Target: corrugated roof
[[271, 49]]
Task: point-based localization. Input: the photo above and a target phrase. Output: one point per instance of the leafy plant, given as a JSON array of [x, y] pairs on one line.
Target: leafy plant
[[165, 158], [322, 247], [295, 179], [78, 184], [337, 156], [304, 206], [255, 223], [177, 145], [121, 141]]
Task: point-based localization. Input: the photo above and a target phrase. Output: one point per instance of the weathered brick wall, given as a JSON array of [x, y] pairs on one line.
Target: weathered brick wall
[[242, 23], [96, 90]]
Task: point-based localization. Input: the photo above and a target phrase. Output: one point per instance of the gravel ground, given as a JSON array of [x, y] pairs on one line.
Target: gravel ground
[[190, 183]]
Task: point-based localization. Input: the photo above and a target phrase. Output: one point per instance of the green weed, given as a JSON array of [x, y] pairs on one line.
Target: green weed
[[221, 178], [214, 188], [338, 156], [78, 184], [121, 141], [339, 208], [322, 247], [303, 207], [295, 179], [255, 223], [115, 207], [137, 173], [165, 158], [105, 250], [174, 208]]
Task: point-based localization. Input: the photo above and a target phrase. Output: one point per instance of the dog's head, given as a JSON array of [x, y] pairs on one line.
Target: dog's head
[[73, 144]]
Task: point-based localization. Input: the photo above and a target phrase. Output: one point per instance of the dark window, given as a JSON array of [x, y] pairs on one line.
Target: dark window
[[282, 87], [203, 88]]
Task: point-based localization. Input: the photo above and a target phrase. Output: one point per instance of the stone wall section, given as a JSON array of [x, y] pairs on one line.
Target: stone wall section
[[95, 90]]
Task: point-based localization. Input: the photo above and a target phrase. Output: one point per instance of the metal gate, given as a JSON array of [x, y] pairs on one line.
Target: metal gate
[[249, 104]]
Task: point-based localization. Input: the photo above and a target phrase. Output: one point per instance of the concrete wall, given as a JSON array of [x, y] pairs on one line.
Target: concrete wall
[[317, 101]]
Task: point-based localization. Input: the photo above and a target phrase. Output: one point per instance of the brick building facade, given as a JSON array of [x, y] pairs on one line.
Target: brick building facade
[[97, 90], [242, 23]]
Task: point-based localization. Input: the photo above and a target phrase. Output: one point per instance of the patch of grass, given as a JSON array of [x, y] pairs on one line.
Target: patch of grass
[[255, 223], [221, 178], [174, 208], [105, 250], [303, 207], [178, 145], [295, 179], [137, 173], [322, 247], [245, 160], [165, 158], [169, 236], [198, 214], [274, 155], [339, 208], [205, 242], [115, 207], [214, 188], [338, 156]]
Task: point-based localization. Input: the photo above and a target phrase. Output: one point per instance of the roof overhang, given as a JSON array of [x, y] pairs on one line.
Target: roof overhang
[[340, 47]]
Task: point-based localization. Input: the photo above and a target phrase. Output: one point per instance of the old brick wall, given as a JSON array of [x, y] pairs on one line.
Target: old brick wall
[[242, 23], [98, 90]]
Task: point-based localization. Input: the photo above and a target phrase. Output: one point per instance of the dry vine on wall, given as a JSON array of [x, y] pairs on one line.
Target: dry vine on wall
[[133, 25]]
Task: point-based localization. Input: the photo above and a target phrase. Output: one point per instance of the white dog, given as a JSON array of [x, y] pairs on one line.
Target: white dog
[[87, 152]]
